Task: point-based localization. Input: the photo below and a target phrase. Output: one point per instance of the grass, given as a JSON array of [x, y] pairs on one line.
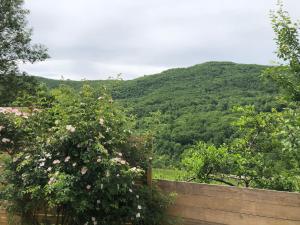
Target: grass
[[170, 174], [181, 175]]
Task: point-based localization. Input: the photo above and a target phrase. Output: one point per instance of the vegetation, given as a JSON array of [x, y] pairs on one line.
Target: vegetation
[[263, 155], [170, 174], [183, 106], [78, 152], [77, 85], [78, 159], [266, 151], [15, 42], [65, 152]]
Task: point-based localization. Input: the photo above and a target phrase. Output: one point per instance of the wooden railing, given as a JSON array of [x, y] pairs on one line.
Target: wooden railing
[[203, 204], [219, 205], [3, 217]]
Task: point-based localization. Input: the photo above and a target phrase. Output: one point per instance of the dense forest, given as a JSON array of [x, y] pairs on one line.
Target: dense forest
[[185, 105]]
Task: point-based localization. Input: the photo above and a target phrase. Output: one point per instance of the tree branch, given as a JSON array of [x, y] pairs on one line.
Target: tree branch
[[222, 181]]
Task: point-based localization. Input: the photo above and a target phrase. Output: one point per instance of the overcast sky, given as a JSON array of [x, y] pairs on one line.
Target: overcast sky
[[97, 39]]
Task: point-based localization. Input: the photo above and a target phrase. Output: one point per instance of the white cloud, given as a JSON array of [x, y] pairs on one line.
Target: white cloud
[[95, 39], [83, 69]]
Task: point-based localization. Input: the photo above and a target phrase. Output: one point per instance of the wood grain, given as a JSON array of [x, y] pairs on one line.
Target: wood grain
[[232, 206], [202, 204]]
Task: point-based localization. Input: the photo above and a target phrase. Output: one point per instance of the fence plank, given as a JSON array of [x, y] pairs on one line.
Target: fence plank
[[225, 217], [202, 204], [3, 218], [257, 195], [241, 206], [149, 176], [199, 222], [231, 205]]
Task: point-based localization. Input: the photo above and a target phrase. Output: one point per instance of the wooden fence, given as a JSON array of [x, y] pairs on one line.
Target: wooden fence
[[3, 217], [202, 204]]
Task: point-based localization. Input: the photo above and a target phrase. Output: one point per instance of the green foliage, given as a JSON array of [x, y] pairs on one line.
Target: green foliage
[[264, 155], [15, 47], [287, 75], [195, 102], [14, 86], [207, 159], [76, 84], [185, 105], [265, 152], [170, 174], [78, 159]]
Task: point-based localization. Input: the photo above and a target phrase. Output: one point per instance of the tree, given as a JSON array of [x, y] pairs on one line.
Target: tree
[[266, 151], [265, 154], [287, 74], [16, 47]]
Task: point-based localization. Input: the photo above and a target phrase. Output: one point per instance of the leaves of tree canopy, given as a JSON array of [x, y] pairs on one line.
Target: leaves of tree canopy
[[15, 48]]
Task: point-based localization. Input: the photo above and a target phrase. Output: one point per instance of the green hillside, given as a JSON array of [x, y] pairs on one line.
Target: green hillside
[[76, 84], [195, 102]]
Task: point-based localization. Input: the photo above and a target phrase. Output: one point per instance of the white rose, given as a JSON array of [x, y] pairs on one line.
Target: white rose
[[70, 128], [5, 140], [67, 159], [101, 121], [56, 161], [83, 170]]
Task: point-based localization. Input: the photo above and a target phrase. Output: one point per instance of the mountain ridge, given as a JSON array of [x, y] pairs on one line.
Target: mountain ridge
[[195, 102], [147, 75]]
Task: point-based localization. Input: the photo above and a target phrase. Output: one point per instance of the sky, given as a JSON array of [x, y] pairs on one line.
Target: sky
[[101, 39]]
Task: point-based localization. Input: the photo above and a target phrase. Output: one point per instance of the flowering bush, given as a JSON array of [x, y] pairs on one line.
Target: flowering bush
[[78, 161]]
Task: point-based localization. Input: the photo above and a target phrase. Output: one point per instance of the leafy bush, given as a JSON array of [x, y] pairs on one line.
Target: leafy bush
[[78, 161], [265, 154]]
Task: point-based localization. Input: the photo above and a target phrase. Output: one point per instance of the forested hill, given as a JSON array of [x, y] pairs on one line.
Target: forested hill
[[51, 83], [195, 102]]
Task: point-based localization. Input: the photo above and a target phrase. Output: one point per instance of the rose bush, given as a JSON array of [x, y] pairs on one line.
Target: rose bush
[[79, 161]]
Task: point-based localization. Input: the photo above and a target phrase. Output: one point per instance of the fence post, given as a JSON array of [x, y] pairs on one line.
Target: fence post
[[149, 175]]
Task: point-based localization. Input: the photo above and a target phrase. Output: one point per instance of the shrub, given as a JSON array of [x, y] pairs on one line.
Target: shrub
[[78, 161]]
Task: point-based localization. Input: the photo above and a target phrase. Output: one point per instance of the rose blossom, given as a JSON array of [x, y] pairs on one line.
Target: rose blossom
[[5, 140], [84, 170], [70, 128], [67, 159], [56, 162], [51, 180], [101, 121]]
